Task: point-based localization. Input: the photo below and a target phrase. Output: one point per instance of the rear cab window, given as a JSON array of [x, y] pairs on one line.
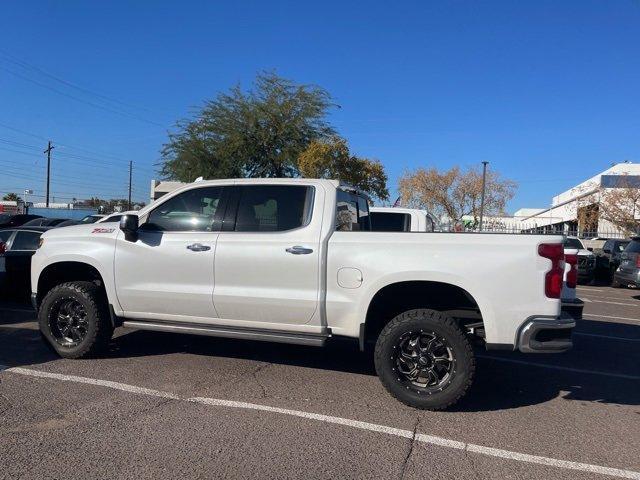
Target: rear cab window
[[352, 212]]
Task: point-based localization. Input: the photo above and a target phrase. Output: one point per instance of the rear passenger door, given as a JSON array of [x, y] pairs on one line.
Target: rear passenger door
[[267, 261]]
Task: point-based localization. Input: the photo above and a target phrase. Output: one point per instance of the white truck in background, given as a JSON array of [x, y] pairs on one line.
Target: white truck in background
[[398, 219], [295, 261]]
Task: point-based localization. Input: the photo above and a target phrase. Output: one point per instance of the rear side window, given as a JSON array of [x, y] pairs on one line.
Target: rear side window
[[26, 241], [273, 208], [352, 212], [193, 210], [390, 222], [633, 247]]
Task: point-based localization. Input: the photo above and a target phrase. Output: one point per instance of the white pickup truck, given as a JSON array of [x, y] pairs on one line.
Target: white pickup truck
[[295, 261]]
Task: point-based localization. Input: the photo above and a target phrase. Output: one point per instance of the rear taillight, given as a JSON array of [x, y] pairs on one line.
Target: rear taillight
[[638, 261], [553, 278], [3, 247], [572, 274]]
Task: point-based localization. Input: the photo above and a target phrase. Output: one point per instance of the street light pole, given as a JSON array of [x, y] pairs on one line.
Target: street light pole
[[484, 185]]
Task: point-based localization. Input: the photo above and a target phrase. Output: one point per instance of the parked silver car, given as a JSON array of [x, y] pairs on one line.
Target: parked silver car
[[628, 273]]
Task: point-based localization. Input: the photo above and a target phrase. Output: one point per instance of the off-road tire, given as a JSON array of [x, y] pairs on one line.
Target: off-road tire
[[444, 327], [99, 328]]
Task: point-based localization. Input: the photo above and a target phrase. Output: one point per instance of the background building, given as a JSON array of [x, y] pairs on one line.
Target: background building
[[578, 211]]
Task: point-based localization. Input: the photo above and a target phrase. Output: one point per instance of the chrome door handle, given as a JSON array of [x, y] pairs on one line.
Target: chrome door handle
[[298, 250], [198, 247]]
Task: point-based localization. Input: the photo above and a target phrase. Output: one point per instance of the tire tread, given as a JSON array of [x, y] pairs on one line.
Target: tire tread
[[100, 335], [453, 328]]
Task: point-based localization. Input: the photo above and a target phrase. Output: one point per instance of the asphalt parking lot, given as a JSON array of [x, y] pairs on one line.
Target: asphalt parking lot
[[168, 406]]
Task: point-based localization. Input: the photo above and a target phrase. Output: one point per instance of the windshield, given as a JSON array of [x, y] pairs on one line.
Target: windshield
[[573, 243], [90, 219]]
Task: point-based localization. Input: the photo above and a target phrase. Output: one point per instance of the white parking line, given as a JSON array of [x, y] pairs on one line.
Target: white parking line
[[421, 437], [559, 367], [92, 381]]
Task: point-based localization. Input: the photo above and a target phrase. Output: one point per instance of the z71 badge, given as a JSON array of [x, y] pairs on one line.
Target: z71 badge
[[103, 230]]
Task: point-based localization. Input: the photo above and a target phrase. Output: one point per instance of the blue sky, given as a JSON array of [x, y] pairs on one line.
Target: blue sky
[[546, 91]]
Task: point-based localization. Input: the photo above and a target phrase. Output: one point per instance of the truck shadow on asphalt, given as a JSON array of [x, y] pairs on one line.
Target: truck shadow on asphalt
[[596, 370]]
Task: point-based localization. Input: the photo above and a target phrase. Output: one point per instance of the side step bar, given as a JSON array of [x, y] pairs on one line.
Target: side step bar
[[316, 340]]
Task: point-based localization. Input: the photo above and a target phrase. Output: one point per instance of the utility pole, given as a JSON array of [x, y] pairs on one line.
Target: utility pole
[[484, 184], [48, 152], [130, 170]]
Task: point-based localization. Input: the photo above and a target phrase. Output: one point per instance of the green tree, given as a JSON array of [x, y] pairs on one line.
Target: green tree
[[11, 197], [331, 158], [255, 133]]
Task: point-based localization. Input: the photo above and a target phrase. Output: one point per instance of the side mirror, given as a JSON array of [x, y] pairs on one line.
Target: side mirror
[[129, 225], [590, 249], [606, 250]]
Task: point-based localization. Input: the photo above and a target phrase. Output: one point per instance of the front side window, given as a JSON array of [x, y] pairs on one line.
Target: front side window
[[273, 208], [352, 212], [193, 210], [26, 241]]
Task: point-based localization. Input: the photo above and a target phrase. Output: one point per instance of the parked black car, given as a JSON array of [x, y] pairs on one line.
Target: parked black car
[[609, 259], [9, 220], [17, 246], [44, 222]]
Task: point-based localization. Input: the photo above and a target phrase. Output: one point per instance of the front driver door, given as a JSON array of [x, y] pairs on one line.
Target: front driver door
[[167, 271]]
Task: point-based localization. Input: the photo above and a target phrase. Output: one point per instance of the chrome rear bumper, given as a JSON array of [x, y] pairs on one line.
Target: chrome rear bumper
[[546, 334]]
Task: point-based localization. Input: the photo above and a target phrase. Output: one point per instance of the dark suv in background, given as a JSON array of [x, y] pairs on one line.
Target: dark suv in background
[[609, 258], [628, 273]]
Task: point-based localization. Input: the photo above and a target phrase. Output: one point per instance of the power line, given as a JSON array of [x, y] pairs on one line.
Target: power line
[[73, 147], [22, 63], [81, 100], [94, 161]]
